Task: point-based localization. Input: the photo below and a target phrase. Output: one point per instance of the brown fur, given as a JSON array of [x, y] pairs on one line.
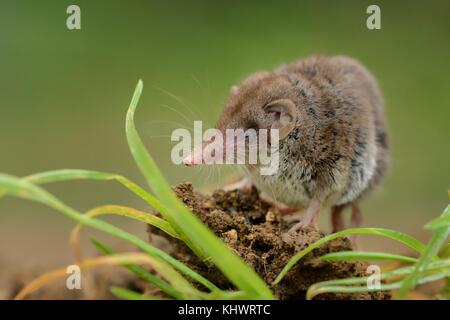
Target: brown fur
[[338, 150]]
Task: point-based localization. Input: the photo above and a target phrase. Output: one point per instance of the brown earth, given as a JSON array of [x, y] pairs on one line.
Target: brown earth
[[255, 231]]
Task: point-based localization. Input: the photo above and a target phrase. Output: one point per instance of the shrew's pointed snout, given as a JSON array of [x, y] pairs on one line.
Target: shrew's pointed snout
[[207, 153], [194, 158], [189, 161]]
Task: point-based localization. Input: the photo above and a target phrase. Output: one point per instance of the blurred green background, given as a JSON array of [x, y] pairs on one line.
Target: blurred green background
[[64, 95]]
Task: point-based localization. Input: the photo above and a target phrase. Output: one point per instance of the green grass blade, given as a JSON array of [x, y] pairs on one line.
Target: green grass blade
[[193, 231], [67, 175], [154, 177], [328, 287], [80, 174], [142, 273], [442, 221], [26, 190], [318, 288], [392, 234], [439, 237], [126, 294], [135, 214], [439, 223], [364, 256], [436, 269]]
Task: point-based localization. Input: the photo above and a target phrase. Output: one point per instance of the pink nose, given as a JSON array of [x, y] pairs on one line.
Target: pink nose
[[194, 158], [189, 161]]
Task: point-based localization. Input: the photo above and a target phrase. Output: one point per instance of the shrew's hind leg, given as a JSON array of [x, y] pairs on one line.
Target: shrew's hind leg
[[356, 219], [355, 222], [336, 218], [310, 217]]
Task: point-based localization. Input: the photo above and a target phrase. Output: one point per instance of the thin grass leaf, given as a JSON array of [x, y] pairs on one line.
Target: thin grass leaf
[[439, 237], [363, 256], [434, 268], [142, 273], [193, 231], [315, 290], [135, 214], [392, 234], [80, 174], [26, 190], [442, 221], [154, 177], [122, 211], [323, 287], [126, 294]]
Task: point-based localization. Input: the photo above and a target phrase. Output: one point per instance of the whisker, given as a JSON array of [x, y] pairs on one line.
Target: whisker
[[197, 113], [170, 122], [176, 98], [197, 81], [177, 111]]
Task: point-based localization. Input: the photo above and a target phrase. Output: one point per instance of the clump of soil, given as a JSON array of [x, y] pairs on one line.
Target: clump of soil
[[259, 235]]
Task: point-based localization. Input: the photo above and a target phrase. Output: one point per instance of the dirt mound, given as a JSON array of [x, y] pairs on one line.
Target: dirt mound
[[258, 234]]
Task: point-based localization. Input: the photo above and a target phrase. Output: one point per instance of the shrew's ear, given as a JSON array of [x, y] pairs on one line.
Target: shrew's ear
[[284, 116]]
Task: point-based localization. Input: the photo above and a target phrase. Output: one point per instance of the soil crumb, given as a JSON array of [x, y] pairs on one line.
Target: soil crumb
[[259, 234]]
